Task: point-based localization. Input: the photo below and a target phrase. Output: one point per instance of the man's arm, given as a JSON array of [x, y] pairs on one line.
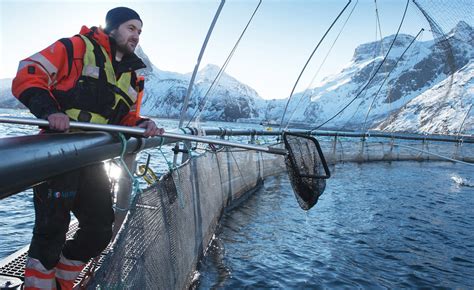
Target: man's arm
[[151, 129], [36, 76]]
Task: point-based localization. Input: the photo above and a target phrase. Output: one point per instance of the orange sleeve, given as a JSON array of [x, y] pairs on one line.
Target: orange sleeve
[[131, 120], [38, 75], [41, 70]]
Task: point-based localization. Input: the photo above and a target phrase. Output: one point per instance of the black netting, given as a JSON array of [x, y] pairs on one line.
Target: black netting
[[307, 168], [171, 223], [138, 257]]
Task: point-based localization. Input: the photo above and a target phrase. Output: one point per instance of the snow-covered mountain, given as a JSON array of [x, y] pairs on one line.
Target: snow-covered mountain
[[6, 98], [423, 67], [229, 100], [435, 111], [415, 93]]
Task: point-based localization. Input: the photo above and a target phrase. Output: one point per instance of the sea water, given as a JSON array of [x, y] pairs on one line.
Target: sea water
[[378, 225]]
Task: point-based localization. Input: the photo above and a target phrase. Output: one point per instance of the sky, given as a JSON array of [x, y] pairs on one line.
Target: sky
[[269, 57]]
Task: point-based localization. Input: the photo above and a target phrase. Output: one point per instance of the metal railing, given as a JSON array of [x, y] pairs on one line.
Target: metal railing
[[29, 160]]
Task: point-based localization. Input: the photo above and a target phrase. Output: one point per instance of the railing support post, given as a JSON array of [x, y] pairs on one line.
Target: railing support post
[[186, 151], [124, 193]]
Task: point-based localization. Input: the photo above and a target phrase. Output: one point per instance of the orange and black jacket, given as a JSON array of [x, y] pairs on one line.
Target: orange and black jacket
[[53, 80]]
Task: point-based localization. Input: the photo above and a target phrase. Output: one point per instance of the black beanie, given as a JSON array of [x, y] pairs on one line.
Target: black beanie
[[119, 15]]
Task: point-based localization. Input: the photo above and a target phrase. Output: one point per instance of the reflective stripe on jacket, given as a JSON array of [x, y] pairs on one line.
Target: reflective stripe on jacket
[[45, 79]]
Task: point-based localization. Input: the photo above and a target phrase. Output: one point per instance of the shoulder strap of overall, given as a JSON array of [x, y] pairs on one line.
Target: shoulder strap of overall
[[70, 52]]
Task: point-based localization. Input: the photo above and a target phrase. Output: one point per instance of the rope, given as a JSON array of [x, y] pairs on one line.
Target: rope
[[185, 146], [307, 62], [216, 80], [172, 168], [377, 51], [135, 181], [320, 67], [386, 78], [169, 163], [372, 77], [196, 67], [464, 119], [434, 154], [247, 186], [179, 190]]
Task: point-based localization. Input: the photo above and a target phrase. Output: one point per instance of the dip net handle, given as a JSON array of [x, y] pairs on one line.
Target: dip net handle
[[292, 157]]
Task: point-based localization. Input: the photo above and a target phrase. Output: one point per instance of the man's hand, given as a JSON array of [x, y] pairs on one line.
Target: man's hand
[[58, 122], [151, 129]]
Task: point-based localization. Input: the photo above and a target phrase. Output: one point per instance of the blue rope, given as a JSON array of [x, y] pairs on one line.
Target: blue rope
[[136, 190], [184, 144], [170, 164]]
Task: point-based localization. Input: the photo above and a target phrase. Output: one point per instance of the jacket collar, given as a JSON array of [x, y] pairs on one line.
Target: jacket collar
[[99, 36], [129, 62]]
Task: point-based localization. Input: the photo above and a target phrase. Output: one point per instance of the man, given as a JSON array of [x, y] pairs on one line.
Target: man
[[89, 77]]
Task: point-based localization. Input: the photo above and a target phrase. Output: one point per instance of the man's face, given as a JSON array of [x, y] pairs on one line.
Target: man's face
[[127, 36]]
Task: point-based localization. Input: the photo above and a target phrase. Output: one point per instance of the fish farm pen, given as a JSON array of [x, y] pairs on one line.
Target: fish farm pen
[[163, 230]]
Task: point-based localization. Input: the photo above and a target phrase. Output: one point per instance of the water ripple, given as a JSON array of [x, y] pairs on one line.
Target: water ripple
[[378, 226]]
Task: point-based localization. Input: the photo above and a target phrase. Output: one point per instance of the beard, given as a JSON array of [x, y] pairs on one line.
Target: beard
[[125, 48], [123, 44]]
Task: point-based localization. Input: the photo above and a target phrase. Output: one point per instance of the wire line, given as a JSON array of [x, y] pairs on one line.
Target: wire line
[[371, 78]]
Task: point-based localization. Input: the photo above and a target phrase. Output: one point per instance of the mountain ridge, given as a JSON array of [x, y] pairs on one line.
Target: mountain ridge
[[422, 69]]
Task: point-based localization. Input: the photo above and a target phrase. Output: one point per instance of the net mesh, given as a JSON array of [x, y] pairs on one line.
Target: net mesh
[[373, 149], [163, 238], [305, 165], [171, 223], [450, 23], [443, 15]]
